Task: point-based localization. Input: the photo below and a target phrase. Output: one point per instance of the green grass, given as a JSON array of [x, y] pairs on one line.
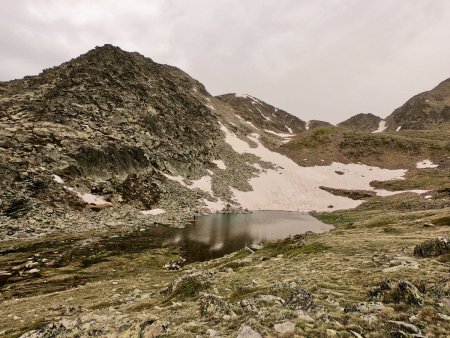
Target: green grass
[[308, 249]]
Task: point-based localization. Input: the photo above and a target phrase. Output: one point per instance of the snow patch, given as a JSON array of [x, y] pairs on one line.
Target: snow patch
[[203, 183], [219, 205], [58, 179], [398, 128], [381, 127], [289, 130], [279, 134], [295, 188], [220, 164], [90, 198], [426, 164], [86, 197], [179, 179], [307, 125], [153, 212]]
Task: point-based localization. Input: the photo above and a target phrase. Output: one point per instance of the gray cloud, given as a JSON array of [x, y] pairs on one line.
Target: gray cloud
[[318, 59]]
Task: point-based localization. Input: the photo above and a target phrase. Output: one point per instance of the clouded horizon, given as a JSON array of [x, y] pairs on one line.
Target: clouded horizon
[[317, 59]]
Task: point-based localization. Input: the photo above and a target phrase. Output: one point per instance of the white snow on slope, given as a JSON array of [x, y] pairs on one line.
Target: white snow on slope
[[153, 212], [214, 206], [90, 198], [179, 179], [381, 127], [398, 128], [426, 164], [307, 125], [289, 129], [297, 188], [58, 179], [203, 183], [279, 134], [220, 164], [86, 197]]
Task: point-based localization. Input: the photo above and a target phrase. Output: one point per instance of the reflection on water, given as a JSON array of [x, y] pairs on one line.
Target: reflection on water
[[216, 235]]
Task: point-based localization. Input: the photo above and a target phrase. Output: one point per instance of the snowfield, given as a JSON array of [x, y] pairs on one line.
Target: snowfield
[[295, 188]]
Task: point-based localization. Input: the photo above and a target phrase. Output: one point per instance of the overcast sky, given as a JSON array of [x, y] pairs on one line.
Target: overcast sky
[[317, 59]]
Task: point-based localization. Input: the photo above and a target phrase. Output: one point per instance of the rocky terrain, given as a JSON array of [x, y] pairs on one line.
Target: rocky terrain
[[123, 133], [428, 110], [263, 115], [362, 122], [103, 157]]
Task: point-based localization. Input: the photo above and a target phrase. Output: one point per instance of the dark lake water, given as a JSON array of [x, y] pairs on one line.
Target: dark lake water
[[213, 236]]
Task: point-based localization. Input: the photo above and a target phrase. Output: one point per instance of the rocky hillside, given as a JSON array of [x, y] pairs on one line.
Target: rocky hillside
[[313, 124], [113, 129], [108, 122], [427, 110], [362, 122], [262, 114]]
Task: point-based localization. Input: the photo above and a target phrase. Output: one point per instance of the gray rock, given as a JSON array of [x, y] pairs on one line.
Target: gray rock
[[433, 247], [248, 332], [285, 327], [408, 293], [304, 317], [410, 328]]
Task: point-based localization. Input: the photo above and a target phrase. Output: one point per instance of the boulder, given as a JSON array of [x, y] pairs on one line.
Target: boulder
[[285, 327], [403, 291], [433, 247]]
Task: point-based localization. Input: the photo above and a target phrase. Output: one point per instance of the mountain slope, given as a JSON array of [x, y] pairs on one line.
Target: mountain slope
[[362, 122], [262, 114], [427, 110]]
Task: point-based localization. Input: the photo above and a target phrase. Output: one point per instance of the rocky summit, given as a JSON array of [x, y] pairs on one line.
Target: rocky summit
[[108, 160]]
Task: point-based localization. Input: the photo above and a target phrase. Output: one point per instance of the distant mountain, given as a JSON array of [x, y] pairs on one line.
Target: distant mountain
[[262, 114], [313, 124], [427, 110], [362, 122]]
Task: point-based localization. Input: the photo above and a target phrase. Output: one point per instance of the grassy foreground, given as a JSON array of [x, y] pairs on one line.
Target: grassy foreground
[[87, 288]]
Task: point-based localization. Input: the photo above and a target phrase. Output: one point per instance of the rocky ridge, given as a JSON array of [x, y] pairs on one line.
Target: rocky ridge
[[427, 110], [362, 122]]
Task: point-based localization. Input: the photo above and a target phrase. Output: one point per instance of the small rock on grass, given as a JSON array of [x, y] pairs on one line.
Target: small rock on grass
[[248, 332], [285, 327], [410, 328]]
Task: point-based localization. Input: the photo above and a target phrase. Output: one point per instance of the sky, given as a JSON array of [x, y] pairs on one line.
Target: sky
[[317, 59]]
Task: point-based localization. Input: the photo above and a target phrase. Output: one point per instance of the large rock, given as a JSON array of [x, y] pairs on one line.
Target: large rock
[[433, 247], [403, 291]]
